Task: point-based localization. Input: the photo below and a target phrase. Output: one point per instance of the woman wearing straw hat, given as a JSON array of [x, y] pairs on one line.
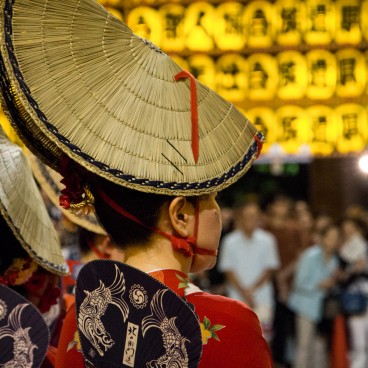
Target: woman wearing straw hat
[[142, 142], [30, 256]]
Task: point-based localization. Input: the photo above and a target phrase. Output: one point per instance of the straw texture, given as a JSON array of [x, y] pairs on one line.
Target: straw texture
[[76, 79], [49, 180], [24, 211]]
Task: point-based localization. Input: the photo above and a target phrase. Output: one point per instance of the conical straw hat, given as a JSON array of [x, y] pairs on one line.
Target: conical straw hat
[[23, 209], [77, 81], [49, 180]]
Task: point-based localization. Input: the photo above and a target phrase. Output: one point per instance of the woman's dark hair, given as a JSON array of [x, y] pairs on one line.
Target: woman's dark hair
[[145, 206], [10, 247]]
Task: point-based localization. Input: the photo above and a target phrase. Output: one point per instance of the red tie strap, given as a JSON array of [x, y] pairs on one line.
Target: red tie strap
[[194, 110], [187, 246]]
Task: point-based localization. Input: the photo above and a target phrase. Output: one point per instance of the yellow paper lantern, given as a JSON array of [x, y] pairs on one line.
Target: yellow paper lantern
[[364, 18], [294, 128], [180, 61], [111, 3], [198, 26], [264, 119], [351, 73], [323, 128], [348, 29], [204, 69], [352, 128], [322, 74], [146, 23], [263, 77], [115, 12], [289, 21], [231, 78], [259, 20], [230, 26], [321, 21], [173, 33], [293, 75]]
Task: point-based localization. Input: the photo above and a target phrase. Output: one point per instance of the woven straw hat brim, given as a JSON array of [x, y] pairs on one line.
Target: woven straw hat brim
[[23, 209], [77, 80], [49, 180]]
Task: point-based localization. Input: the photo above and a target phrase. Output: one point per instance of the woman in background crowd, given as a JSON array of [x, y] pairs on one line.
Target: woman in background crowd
[[314, 275], [354, 264]]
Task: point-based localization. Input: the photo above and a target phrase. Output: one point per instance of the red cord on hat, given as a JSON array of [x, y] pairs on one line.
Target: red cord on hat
[[259, 144], [194, 110], [187, 246]]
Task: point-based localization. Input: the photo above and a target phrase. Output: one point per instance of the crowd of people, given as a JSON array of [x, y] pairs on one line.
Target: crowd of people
[[298, 270]]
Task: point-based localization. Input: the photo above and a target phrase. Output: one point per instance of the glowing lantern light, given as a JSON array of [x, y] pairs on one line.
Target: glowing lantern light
[[204, 69], [294, 128], [173, 35], [231, 78], [180, 61], [289, 21], [146, 23], [320, 22], [321, 66], [259, 18], [263, 75], [230, 26], [364, 18], [198, 26], [348, 19], [264, 119], [351, 73], [293, 75], [323, 128], [352, 128]]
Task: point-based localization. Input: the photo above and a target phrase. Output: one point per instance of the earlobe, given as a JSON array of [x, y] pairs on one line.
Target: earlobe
[[179, 213]]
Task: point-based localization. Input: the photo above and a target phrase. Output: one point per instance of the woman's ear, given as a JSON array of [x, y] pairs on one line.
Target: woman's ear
[[181, 212]]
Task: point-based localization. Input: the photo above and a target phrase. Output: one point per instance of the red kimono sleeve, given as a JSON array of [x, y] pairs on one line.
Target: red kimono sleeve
[[69, 352]]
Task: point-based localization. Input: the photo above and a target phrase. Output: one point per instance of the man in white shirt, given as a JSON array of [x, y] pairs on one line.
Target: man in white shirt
[[249, 258]]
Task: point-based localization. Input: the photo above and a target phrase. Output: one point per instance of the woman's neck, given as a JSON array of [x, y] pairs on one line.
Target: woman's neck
[[160, 255]]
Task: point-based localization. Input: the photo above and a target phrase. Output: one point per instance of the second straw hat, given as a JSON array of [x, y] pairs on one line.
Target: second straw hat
[[23, 209], [77, 81]]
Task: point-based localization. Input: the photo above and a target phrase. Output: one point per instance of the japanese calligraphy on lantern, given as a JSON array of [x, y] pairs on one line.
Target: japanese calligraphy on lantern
[[264, 119], [321, 66], [259, 20], [324, 130], [351, 73], [203, 68], [352, 128], [348, 30], [289, 21], [292, 75], [320, 22], [263, 77], [231, 77], [294, 127], [230, 31], [172, 30]]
